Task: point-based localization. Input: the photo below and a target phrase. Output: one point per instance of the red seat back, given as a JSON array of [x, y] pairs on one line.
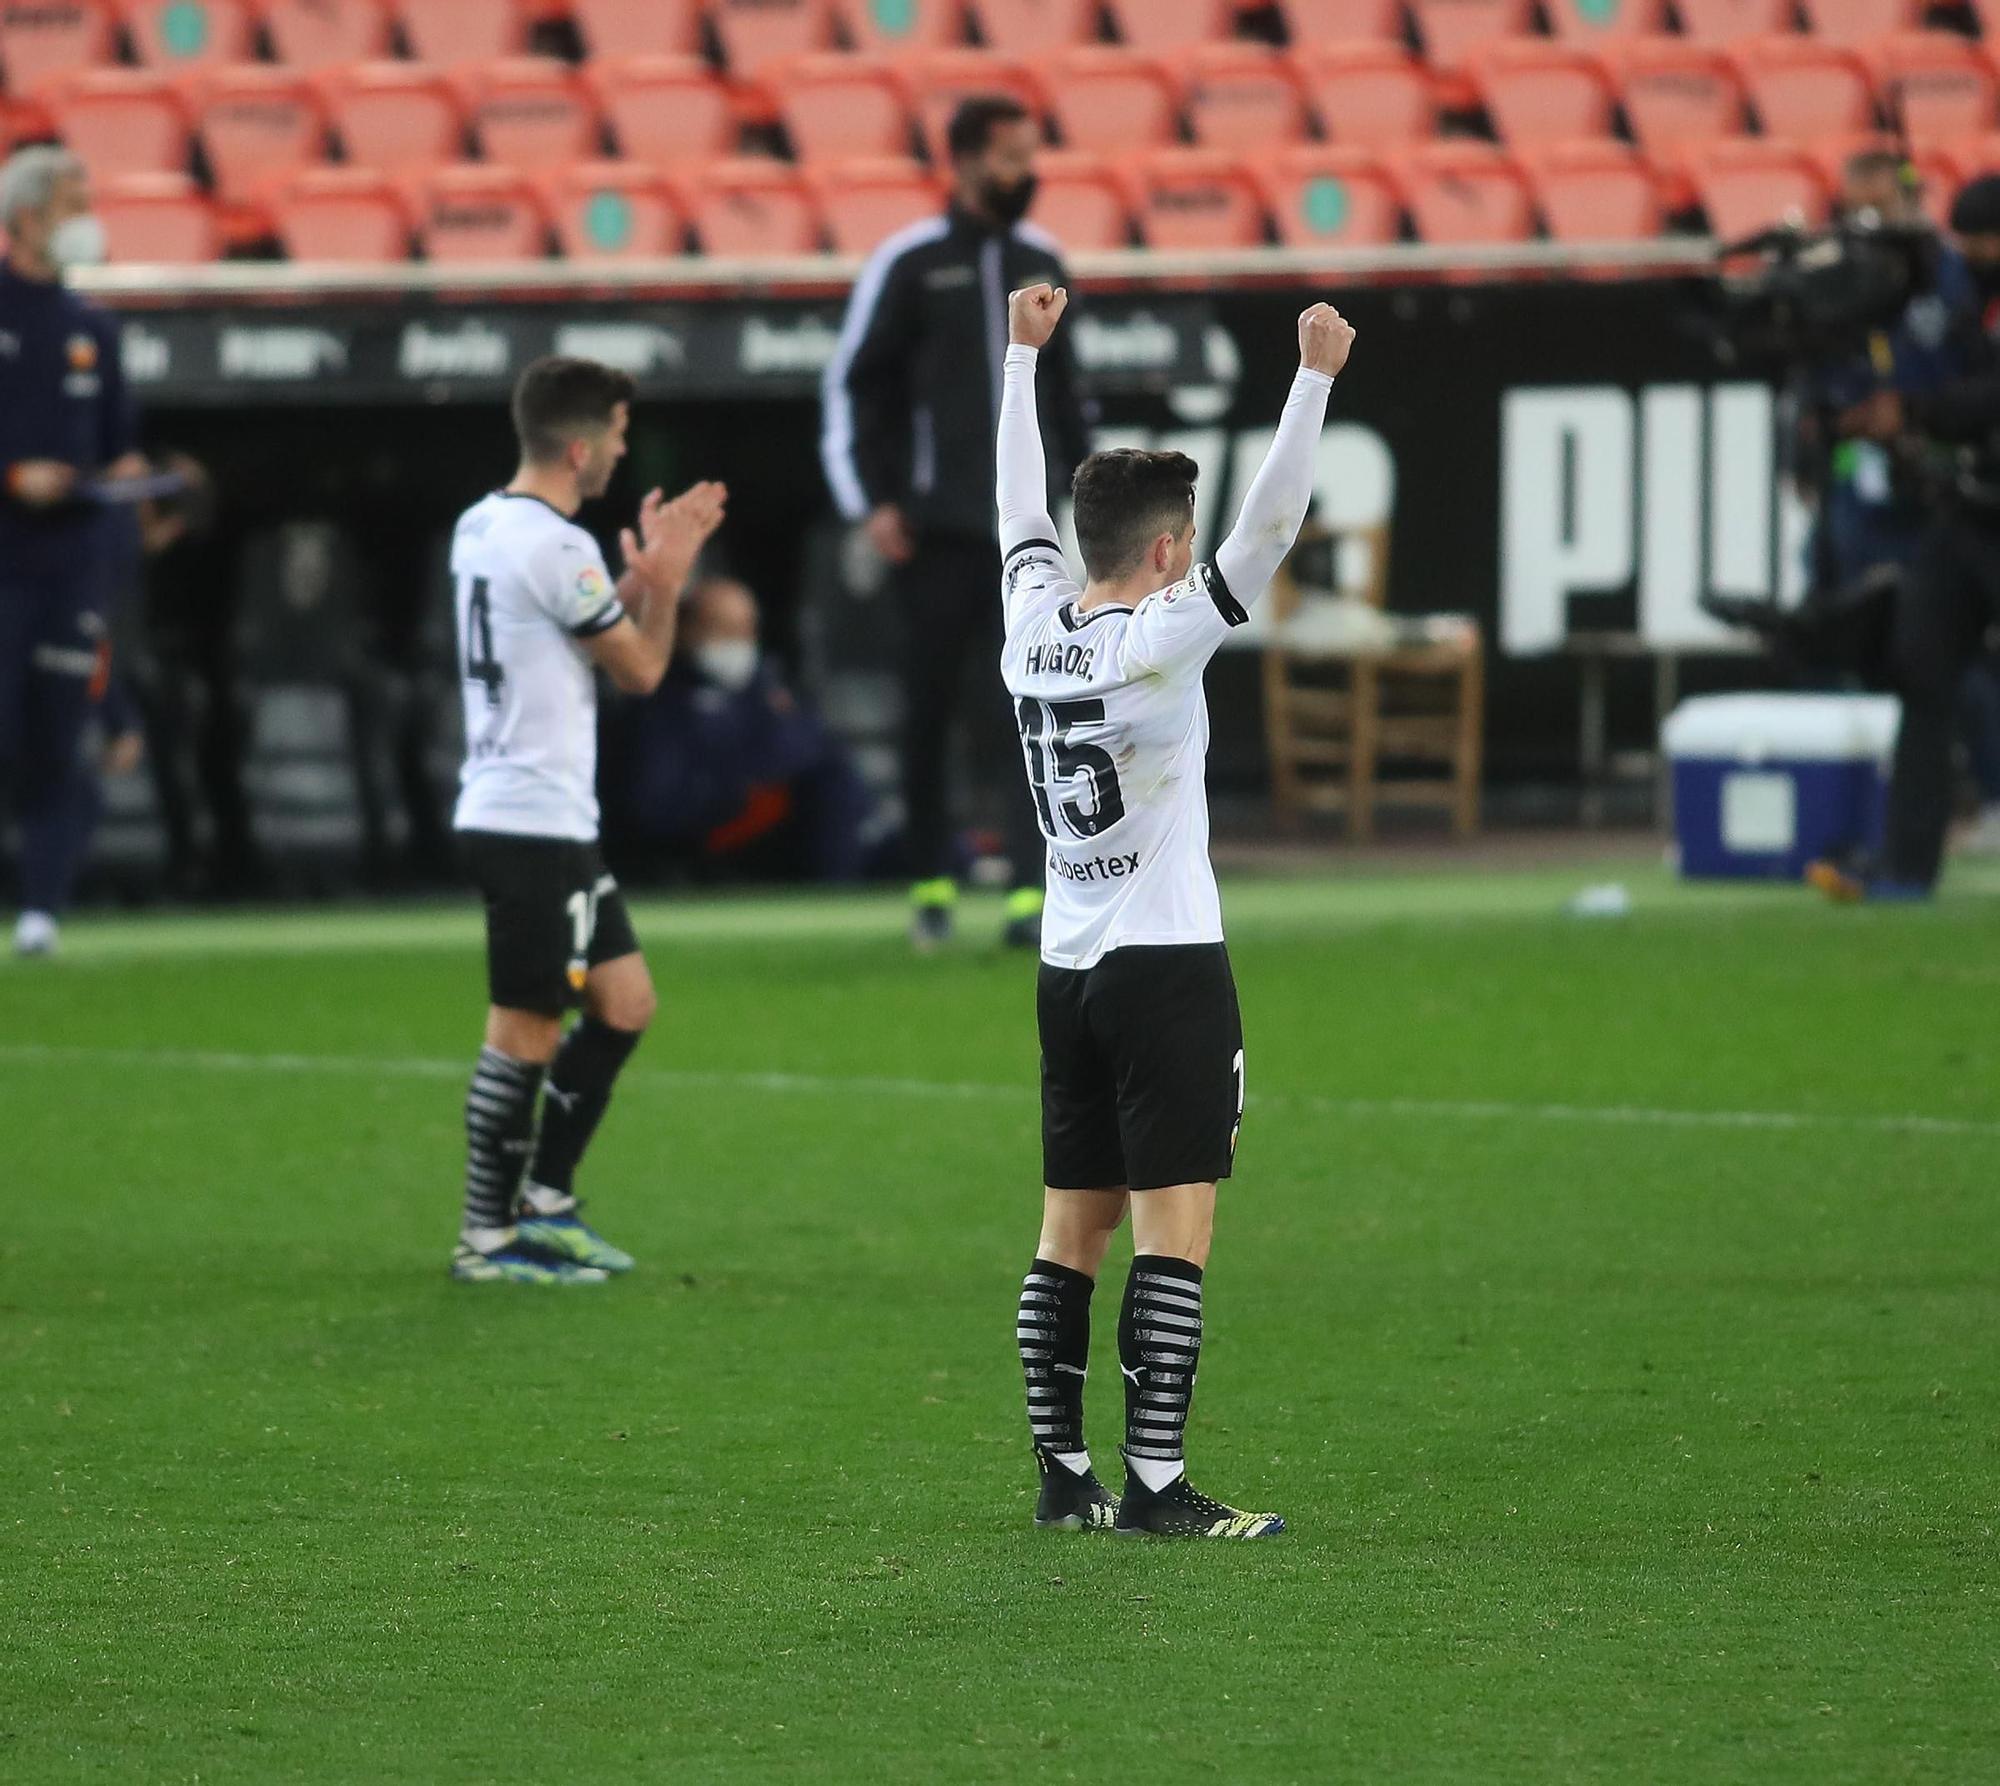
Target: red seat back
[[1197, 198], [756, 33], [122, 121], [342, 214], [753, 209], [1453, 29], [1111, 100], [469, 214], [1244, 96], [1323, 196], [449, 33], [185, 34], [157, 218], [895, 27], [313, 34], [1465, 192], [841, 106], [638, 27], [1544, 92], [1749, 185], [609, 210], [39, 42], [532, 113], [1676, 94], [1083, 201], [395, 117], [1801, 88], [1034, 27], [1370, 94], [1593, 192], [1171, 24], [1934, 87], [866, 201], [259, 125]]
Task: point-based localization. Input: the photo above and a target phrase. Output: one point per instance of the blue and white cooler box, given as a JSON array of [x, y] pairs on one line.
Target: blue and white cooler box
[[1764, 783]]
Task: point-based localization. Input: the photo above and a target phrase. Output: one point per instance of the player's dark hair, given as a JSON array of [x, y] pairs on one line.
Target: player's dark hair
[[557, 398], [976, 119], [1125, 499]]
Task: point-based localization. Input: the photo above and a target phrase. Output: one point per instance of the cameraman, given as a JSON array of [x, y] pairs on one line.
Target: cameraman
[[1954, 588]]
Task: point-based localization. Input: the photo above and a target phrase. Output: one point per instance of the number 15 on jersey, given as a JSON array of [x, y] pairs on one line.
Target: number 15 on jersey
[[1056, 761]]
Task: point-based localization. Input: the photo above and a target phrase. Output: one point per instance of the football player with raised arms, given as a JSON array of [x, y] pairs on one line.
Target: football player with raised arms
[[1142, 1043], [538, 617]]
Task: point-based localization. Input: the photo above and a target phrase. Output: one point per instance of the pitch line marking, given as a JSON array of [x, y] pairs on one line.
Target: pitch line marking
[[815, 1084]]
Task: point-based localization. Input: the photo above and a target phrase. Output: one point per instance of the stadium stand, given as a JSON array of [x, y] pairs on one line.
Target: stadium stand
[[1323, 196], [1371, 93], [123, 120], [1197, 198], [310, 34], [1464, 192], [532, 113], [610, 127], [842, 106], [1244, 96], [1112, 99], [752, 209], [258, 125], [483, 214], [638, 27], [612, 210], [394, 117], [345, 214], [666, 110], [163, 218]]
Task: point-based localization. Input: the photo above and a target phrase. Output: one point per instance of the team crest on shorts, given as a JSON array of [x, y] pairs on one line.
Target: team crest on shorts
[[82, 352], [578, 974]]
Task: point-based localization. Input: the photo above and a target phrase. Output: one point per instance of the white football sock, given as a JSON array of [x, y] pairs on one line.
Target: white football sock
[[1156, 1472]]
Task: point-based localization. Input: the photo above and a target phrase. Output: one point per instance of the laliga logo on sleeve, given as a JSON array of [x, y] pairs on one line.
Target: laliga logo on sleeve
[[591, 585]]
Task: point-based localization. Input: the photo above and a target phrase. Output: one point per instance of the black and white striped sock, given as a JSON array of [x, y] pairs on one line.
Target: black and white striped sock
[[1159, 1346], [1053, 1328], [499, 1131]]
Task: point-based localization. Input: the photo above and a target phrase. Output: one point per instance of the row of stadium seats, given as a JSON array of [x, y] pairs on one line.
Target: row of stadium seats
[[43, 39], [258, 125], [1317, 196]]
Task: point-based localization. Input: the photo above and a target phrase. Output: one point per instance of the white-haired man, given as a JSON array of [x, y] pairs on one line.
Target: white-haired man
[[66, 423]]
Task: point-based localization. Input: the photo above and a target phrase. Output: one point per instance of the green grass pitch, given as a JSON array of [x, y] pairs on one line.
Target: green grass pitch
[[1611, 1307]]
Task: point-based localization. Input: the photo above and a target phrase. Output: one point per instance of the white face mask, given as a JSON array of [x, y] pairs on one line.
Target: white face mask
[[729, 663], [77, 242]]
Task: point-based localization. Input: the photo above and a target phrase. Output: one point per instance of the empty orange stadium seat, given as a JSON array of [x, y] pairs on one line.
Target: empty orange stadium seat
[[342, 214], [865, 201], [1539, 92], [1801, 88], [943, 79], [756, 33], [258, 125], [1852, 21], [395, 117], [842, 106], [1244, 96], [1969, 157], [1323, 196], [1935, 87], [1082, 201], [1171, 24], [610, 210], [1464, 192], [1452, 29], [1677, 93], [639, 27], [753, 209], [123, 121], [1034, 27], [1748, 185], [1725, 21], [177, 34], [664, 109], [158, 218], [447, 33], [313, 34], [532, 112], [39, 41], [481, 214], [1600, 21], [1593, 191], [1111, 100], [1371, 93], [891, 27], [1310, 23], [1197, 198]]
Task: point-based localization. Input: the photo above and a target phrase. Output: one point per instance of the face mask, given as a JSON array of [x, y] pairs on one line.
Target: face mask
[[728, 663], [77, 242], [1009, 204]]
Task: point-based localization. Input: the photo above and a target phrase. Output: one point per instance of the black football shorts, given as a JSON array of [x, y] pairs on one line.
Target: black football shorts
[[1142, 1069], [553, 912]]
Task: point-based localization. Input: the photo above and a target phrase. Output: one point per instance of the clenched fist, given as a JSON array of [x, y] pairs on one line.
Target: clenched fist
[[1033, 312], [1325, 339]]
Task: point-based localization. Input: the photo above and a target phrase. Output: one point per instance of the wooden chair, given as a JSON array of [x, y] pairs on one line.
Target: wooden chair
[[1336, 709]]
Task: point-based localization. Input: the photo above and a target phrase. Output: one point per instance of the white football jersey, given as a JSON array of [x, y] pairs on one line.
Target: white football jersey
[[1114, 728], [530, 584]]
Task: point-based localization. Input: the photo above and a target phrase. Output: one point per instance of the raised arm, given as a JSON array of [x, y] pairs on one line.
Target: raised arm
[[1275, 507], [1032, 314]]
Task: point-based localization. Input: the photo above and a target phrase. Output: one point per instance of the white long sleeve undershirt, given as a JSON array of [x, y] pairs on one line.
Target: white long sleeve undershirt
[[1274, 507], [1023, 470]]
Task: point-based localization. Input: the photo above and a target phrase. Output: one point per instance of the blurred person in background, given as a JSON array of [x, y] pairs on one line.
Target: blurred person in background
[[1953, 596], [911, 400], [726, 770], [67, 432]]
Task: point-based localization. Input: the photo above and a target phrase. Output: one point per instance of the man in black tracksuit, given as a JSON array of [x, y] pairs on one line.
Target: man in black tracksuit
[[1953, 596], [911, 405]]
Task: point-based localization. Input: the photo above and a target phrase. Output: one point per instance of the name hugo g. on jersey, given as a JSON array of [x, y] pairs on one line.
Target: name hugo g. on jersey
[[1114, 728], [530, 585]]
